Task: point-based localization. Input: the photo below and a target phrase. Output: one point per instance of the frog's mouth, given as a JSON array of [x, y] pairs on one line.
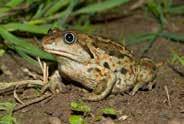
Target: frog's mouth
[[65, 54]]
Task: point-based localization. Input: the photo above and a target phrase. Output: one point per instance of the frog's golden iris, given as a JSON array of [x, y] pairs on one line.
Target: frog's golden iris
[[69, 37]]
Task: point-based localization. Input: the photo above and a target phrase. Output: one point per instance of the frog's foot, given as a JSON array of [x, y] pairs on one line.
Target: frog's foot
[[55, 84], [136, 88], [93, 97], [151, 85]]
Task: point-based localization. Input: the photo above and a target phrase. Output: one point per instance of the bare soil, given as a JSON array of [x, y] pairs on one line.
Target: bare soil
[[146, 107]]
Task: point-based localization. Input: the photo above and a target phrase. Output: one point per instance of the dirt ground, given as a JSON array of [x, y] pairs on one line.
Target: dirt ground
[[146, 107]]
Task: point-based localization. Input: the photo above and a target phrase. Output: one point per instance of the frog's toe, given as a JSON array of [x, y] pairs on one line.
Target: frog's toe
[[54, 87], [136, 88], [92, 97], [133, 93], [151, 85]]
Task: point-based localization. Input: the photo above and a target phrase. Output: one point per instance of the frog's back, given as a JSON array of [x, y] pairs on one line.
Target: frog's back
[[111, 47]]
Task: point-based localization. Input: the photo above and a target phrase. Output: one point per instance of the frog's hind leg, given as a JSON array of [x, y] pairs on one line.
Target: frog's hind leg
[[143, 86], [145, 75], [107, 90], [104, 86]]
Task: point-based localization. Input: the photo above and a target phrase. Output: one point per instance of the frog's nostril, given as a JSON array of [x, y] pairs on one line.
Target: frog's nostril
[[50, 32]]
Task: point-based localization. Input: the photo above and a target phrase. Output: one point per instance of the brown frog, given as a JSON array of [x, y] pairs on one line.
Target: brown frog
[[98, 64]]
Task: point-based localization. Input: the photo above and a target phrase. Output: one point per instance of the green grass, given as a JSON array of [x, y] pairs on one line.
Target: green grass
[[7, 118], [36, 17], [41, 15], [81, 111], [178, 58], [159, 10]]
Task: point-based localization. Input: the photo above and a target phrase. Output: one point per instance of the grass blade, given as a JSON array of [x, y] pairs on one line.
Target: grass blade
[[133, 39], [58, 5], [28, 58], [178, 58], [43, 29], [39, 12], [179, 9], [101, 6], [68, 11], [172, 36], [23, 45], [14, 3]]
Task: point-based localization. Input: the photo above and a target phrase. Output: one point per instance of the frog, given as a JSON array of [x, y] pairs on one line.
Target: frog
[[100, 65]]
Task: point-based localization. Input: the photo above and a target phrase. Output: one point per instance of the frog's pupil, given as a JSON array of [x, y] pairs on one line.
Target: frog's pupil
[[69, 38]]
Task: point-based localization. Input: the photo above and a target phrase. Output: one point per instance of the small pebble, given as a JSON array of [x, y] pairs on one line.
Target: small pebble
[[54, 120], [106, 121], [176, 121]]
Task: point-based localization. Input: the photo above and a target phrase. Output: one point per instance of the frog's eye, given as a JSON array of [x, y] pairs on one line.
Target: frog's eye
[[69, 38]]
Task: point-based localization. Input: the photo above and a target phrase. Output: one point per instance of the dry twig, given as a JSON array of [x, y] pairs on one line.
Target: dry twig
[[33, 101], [168, 96]]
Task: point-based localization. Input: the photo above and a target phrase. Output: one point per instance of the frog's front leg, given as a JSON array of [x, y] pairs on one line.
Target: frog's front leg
[[105, 81], [55, 84], [136, 88]]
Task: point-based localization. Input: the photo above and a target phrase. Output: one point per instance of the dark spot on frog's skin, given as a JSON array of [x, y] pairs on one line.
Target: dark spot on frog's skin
[[123, 71], [116, 53], [1, 72], [141, 76], [106, 65], [112, 53], [118, 81], [52, 39], [94, 70], [119, 62], [89, 69]]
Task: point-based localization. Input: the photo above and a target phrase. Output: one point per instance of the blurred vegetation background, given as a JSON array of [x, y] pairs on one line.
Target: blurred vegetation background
[[22, 21]]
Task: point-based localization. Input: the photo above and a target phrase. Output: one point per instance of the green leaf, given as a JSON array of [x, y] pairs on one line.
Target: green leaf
[[58, 5], [2, 52], [100, 6], [28, 58], [80, 107], [68, 11], [43, 29], [109, 111], [76, 119], [7, 119], [14, 3], [178, 9], [155, 8], [23, 45], [140, 37], [177, 57], [39, 12], [7, 106], [172, 36]]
